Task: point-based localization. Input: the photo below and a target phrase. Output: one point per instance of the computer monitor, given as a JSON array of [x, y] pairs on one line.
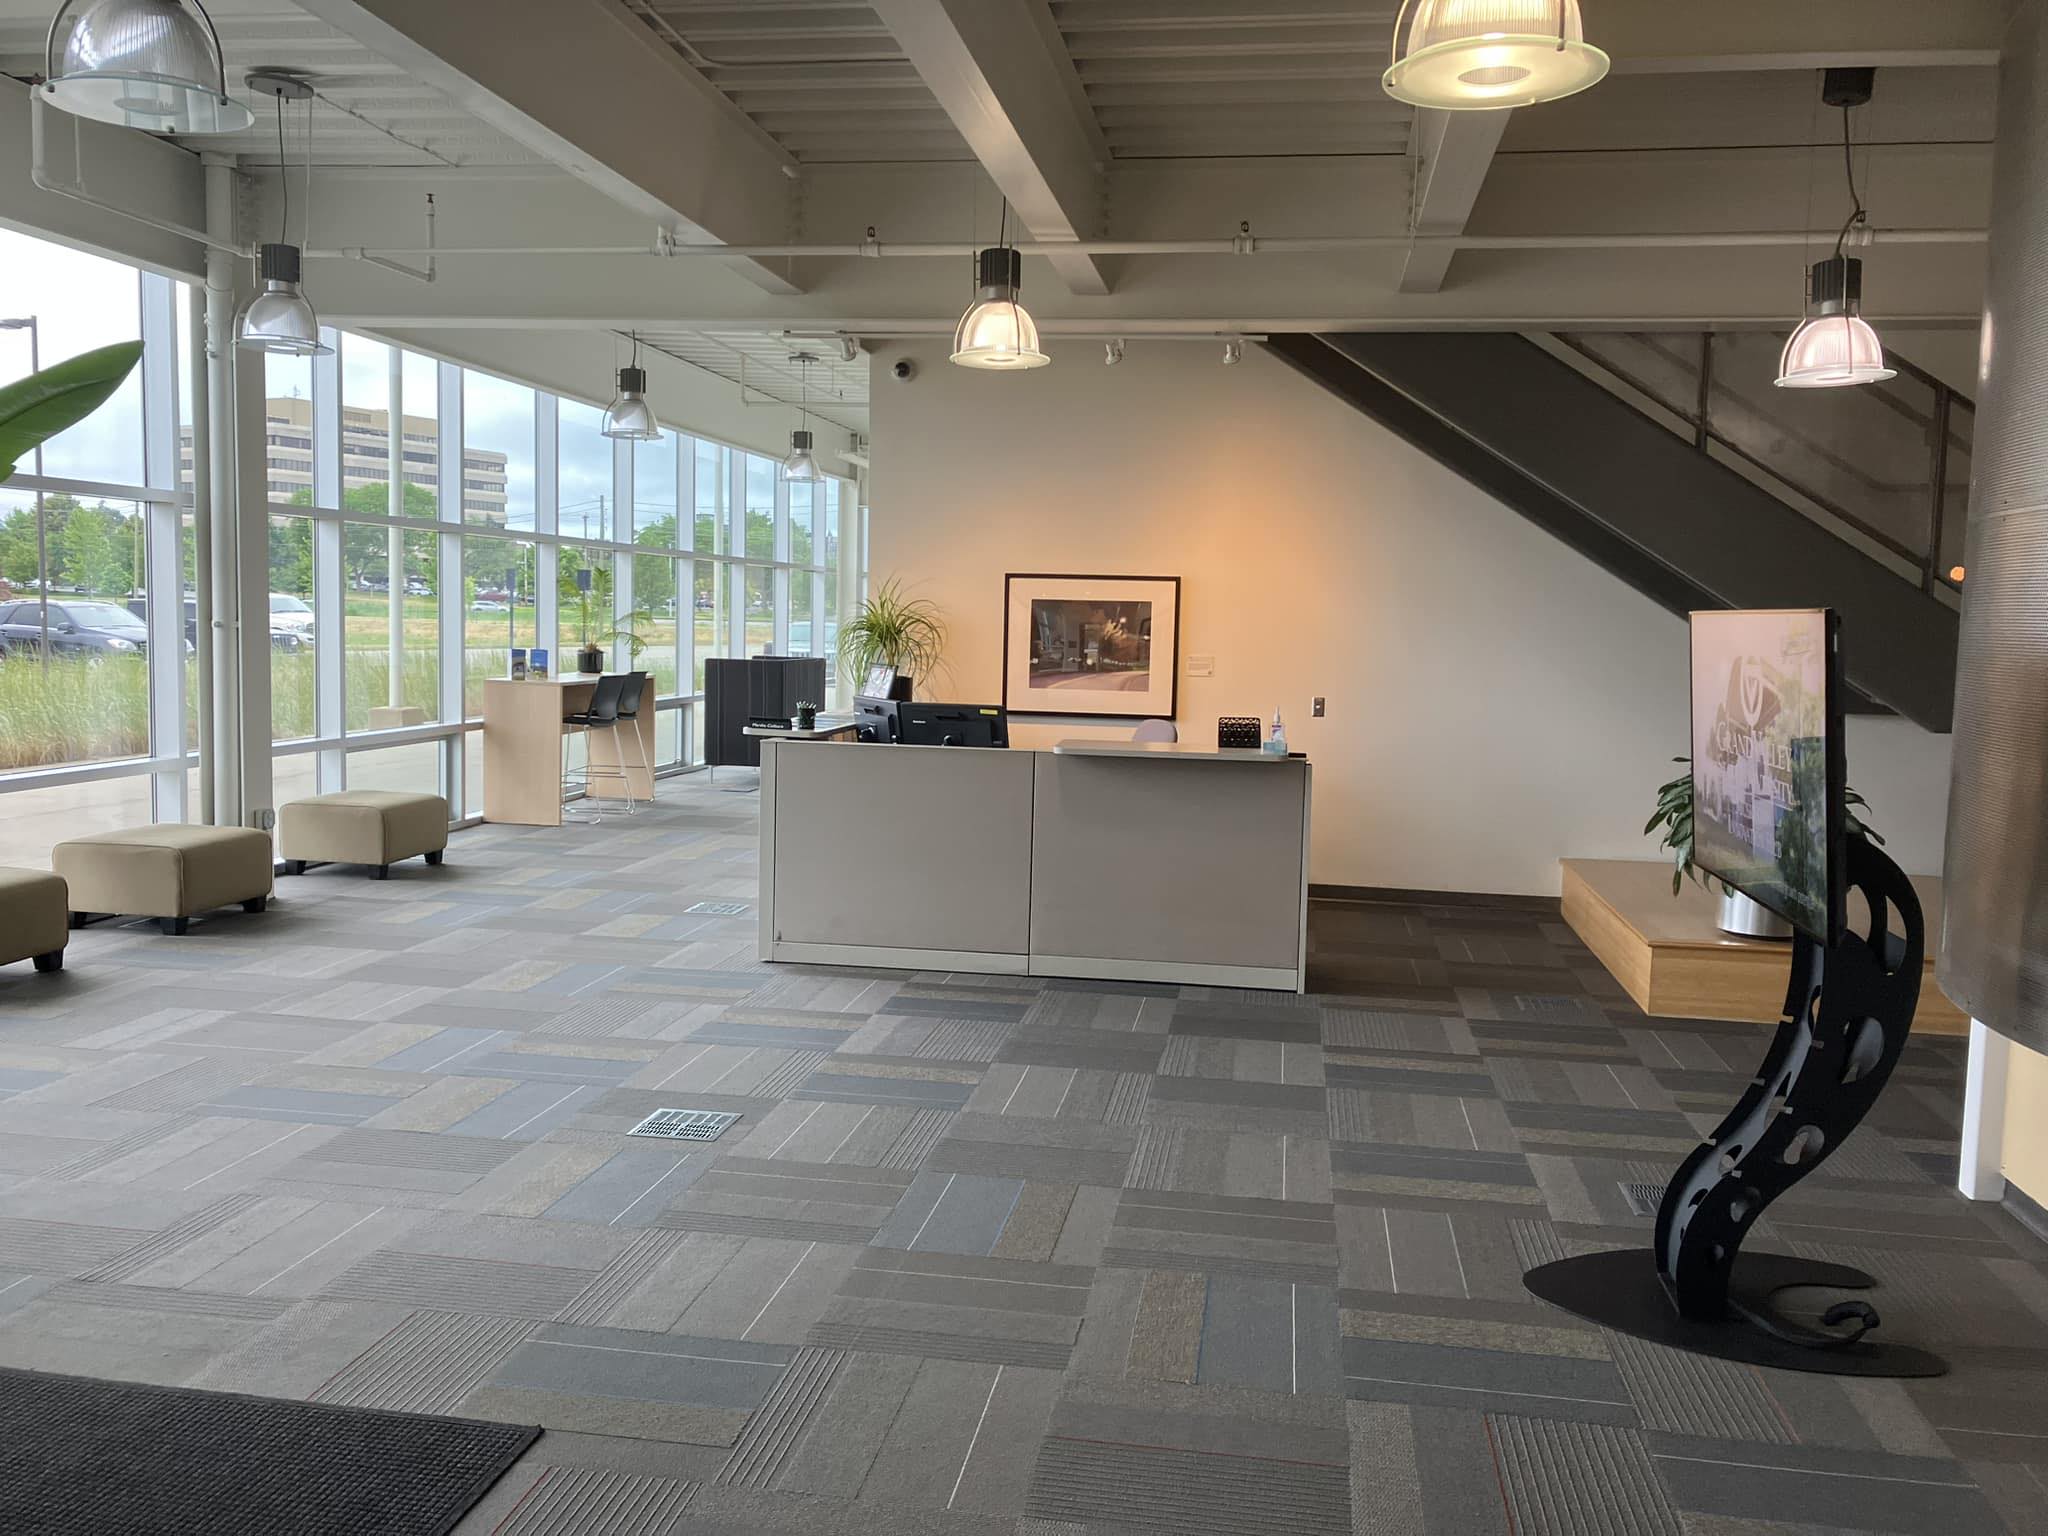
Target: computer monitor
[[953, 725], [875, 720]]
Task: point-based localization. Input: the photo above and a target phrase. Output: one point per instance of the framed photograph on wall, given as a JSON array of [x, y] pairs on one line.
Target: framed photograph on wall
[[1091, 645]]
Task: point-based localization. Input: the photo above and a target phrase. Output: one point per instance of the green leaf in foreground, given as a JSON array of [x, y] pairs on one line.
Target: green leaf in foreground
[[37, 408]]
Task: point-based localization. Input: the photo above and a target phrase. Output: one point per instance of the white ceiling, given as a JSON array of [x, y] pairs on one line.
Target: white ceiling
[[835, 389], [371, 113]]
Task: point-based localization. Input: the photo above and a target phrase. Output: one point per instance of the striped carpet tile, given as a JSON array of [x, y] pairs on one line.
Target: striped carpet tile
[[1690, 1394], [576, 1501], [877, 1340], [154, 1298], [447, 1284], [1569, 1479], [415, 1149], [1127, 1096], [113, 1151], [1191, 1492], [172, 1238], [963, 1040], [1155, 1157], [914, 1145], [62, 1247], [180, 1088], [786, 1078], [617, 1279], [789, 1227], [774, 1428], [428, 1364]]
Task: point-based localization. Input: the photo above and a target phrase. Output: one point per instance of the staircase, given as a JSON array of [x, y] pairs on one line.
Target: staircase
[[1671, 462]]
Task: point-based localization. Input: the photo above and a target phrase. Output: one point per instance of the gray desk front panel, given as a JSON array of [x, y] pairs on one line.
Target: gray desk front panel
[[1183, 863], [912, 848]]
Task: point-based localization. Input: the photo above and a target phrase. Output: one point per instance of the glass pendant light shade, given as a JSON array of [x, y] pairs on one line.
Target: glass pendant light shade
[[279, 319], [149, 64], [629, 415], [1467, 54], [799, 466], [1835, 346], [997, 331]]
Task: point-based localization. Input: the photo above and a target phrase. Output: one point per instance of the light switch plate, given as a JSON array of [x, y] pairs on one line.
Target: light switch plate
[[1201, 666], [1317, 711]]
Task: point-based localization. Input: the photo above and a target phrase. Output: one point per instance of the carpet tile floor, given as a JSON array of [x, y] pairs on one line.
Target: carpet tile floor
[[980, 1254]]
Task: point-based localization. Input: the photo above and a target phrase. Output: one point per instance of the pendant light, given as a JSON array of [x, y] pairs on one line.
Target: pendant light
[[997, 331], [1834, 345], [799, 468], [150, 64], [1462, 55], [629, 416], [280, 319]]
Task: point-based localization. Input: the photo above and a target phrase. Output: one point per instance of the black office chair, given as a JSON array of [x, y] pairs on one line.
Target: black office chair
[[628, 730], [600, 714]]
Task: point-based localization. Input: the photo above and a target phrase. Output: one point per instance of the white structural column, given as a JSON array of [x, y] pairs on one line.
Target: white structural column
[[1453, 151], [224, 494], [1982, 1175], [1007, 94], [590, 86]]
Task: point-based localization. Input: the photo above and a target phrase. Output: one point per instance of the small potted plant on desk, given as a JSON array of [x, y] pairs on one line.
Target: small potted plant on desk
[[1739, 914], [806, 716]]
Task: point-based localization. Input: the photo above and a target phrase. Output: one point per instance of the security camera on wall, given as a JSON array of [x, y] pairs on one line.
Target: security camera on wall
[[904, 369]]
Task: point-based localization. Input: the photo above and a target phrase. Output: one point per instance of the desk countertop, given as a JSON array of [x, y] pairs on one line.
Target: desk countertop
[[825, 727], [1179, 751]]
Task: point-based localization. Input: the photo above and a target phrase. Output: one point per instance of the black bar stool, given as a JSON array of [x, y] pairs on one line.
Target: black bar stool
[[600, 714], [628, 729]]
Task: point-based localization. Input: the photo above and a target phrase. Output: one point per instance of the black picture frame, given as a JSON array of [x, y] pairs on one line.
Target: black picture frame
[[1103, 706]]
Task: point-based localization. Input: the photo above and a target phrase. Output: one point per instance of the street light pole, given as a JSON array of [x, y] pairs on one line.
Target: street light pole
[[35, 365]]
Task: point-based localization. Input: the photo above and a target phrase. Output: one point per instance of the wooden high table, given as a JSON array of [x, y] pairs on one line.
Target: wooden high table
[[523, 733], [1669, 955]]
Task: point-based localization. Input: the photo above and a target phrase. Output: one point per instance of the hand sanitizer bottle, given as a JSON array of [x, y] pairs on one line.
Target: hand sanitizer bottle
[[1276, 744]]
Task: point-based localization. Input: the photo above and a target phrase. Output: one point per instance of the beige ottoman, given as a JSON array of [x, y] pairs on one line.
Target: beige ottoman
[[167, 872], [33, 909], [377, 827]]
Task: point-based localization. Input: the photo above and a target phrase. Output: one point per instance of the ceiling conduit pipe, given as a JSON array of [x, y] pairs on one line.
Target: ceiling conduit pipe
[[75, 190], [1283, 245]]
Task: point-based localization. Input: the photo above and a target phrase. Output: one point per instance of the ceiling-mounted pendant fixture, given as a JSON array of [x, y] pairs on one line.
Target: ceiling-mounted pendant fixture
[[629, 416], [149, 64], [997, 331], [1462, 55], [280, 318], [1834, 345], [798, 466]]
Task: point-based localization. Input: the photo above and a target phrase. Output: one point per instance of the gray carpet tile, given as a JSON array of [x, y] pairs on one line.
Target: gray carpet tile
[[983, 1253]]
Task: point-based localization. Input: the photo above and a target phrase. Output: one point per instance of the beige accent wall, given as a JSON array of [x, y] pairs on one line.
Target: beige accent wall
[[1496, 701], [2025, 1159]]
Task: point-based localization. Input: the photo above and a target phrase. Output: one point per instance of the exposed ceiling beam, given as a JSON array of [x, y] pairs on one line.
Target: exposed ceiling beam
[[990, 68], [586, 85], [1814, 34], [1453, 152]]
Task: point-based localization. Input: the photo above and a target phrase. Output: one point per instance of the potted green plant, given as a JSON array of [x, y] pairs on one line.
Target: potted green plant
[[1739, 914], [596, 628], [904, 634]]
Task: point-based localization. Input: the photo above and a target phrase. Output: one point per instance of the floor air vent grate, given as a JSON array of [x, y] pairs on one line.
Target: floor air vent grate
[[1643, 1199], [719, 908], [684, 1124]]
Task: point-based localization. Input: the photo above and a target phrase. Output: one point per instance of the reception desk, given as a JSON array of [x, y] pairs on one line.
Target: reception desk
[[1100, 860], [523, 746]]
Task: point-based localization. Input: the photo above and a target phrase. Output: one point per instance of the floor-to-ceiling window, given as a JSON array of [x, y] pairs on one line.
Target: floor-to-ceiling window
[[93, 726], [515, 523]]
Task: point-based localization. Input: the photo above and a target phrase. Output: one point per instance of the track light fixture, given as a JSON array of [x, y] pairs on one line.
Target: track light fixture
[[149, 64], [1233, 352], [281, 318], [997, 331], [629, 416], [1834, 345], [1478, 54], [1112, 352]]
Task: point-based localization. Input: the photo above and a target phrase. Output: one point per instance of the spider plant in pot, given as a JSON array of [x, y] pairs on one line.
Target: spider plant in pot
[[1739, 914], [904, 634]]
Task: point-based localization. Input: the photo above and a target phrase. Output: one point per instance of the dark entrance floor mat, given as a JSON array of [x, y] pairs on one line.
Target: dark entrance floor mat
[[82, 1457]]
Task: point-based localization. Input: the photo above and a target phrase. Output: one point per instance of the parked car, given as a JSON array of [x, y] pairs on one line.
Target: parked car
[[288, 612], [282, 637], [79, 627], [487, 605]]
